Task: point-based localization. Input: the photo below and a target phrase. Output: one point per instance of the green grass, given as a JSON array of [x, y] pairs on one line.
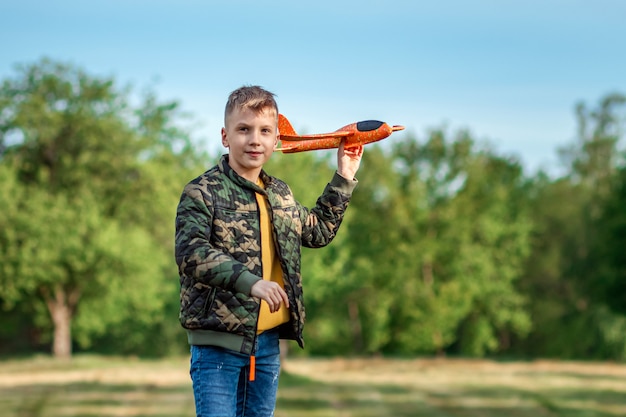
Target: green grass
[[107, 387]]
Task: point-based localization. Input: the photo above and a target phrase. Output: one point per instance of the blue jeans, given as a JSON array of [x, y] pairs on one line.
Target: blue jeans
[[221, 385]]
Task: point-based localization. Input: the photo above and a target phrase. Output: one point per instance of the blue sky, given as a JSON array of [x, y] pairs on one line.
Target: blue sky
[[509, 71]]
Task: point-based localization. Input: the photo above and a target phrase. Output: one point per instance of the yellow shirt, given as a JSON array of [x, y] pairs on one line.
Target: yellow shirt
[[272, 270]]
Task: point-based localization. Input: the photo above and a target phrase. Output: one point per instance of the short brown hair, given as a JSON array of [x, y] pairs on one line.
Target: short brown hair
[[251, 97]]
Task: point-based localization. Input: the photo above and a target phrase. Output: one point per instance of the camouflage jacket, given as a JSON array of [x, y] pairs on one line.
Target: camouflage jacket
[[218, 251]]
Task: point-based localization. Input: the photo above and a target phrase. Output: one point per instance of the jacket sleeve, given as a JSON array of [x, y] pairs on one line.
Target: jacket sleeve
[[196, 257], [321, 223]]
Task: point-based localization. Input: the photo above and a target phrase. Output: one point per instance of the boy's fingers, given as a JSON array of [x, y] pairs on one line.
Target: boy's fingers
[[283, 294], [277, 299], [272, 293]]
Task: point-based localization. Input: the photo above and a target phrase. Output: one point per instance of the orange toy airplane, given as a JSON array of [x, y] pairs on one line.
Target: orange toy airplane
[[356, 134]]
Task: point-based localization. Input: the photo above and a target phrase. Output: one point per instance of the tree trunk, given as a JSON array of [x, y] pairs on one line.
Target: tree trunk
[[355, 320], [61, 307]]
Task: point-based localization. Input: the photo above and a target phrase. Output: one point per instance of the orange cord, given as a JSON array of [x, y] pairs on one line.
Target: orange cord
[[252, 366]]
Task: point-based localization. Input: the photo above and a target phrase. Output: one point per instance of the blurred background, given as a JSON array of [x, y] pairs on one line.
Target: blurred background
[[481, 267], [492, 227]]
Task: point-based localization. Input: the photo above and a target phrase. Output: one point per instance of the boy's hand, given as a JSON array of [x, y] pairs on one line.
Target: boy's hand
[[271, 292], [348, 160]]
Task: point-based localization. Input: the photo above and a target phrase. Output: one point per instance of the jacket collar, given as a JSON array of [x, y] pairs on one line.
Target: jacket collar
[[226, 169]]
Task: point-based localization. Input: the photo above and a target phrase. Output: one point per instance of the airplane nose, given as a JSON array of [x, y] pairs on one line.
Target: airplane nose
[[395, 128]]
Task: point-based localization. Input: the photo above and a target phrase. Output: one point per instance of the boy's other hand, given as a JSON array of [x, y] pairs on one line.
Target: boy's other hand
[[348, 160], [271, 292]]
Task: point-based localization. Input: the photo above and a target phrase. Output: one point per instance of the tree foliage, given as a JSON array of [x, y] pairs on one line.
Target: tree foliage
[[449, 237], [447, 248], [571, 272], [90, 201]]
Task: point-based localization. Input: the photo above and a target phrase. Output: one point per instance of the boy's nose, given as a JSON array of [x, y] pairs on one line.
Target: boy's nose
[[255, 137]]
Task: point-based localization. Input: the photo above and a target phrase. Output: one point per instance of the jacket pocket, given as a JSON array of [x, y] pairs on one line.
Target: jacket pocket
[[195, 303], [208, 302]]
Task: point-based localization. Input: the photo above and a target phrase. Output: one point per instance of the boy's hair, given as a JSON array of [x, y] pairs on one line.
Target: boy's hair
[[251, 97]]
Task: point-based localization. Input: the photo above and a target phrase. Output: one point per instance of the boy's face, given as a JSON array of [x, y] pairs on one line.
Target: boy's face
[[250, 138]]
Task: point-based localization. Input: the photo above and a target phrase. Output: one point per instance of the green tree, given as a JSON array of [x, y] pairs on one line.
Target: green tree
[[608, 253], [94, 182], [468, 248], [571, 273], [431, 252]]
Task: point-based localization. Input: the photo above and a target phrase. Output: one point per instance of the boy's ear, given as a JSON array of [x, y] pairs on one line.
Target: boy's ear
[[224, 138]]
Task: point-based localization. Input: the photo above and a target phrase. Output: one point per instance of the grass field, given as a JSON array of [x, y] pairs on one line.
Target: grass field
[[107, 387]]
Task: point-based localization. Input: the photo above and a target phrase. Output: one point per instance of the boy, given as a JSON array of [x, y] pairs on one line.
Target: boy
[[238, 238]]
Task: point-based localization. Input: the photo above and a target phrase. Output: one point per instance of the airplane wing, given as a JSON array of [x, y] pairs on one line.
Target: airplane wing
[[317, 136]]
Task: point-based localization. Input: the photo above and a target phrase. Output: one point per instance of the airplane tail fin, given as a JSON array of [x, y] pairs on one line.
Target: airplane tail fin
[[284, 127]]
